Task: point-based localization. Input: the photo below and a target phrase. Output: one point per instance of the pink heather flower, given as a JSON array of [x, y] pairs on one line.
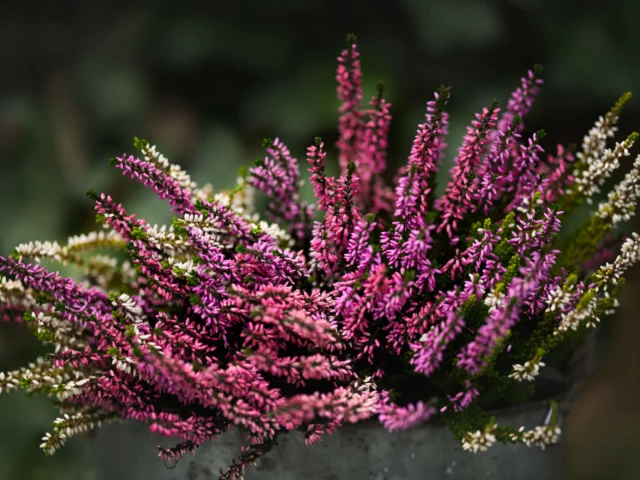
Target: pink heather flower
[[278, 176], [521, 99], [523, 177], [558, 174], [494, 171], [459, 194], [412, 190], [373, 195], [351, 123], [395, 417], [463, 399]]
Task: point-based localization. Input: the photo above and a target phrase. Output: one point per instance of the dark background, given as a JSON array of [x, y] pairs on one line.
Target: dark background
[[207, 81]]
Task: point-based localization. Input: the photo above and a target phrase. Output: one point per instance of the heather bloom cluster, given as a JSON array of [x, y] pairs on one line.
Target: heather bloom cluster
[[376, 300]]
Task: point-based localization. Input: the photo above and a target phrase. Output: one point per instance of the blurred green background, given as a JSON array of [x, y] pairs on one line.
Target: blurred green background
[[206, 81]]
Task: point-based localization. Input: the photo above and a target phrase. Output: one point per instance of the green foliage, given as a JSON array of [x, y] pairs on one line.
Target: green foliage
[[140, 144], [469, 420], [512, 269], [179, 228], [138, 233]]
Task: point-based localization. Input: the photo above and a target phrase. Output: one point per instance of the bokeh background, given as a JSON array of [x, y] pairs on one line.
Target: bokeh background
[[207, 80]]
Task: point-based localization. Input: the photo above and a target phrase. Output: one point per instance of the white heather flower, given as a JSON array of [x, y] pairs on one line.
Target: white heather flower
[[223, 199], [97, 266], [546, 435], [211, 233], [152, 155], [93, 239], [493, 300], [186, 266], [528, 371], [623, 198], [607, 276], [69, 389], [101, 269], [131, 309], [71, 425], [588, 181], [541, 436], [557, 299], [125, 364], [203, 193], [595, 141], [573, 319], [610, 273], [12, 291], [51, 443], [167, 240], [480, 441], [281, 236], [38, 250]]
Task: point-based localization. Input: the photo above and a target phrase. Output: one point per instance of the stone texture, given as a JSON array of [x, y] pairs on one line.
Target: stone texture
[[365, 451]]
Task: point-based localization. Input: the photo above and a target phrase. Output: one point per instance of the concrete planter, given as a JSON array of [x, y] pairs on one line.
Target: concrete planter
[[364, 451]]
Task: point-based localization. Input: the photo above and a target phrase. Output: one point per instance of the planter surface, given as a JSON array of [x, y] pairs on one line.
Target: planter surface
[[364, 451]]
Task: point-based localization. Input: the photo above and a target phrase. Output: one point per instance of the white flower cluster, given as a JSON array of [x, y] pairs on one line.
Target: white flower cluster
[[212, 232], [493, 300], [125, 364], [129, 307], [62, 382], [72, 388], [186, 266], [51, 443], [595, 141], [165, 239], [13, 292], [609, 274], [203, 193], [78, 423], [623, 199], [542, 436], [94, 239], [152, 155], [65, 335], [9, 381], [243, 201], [557, 299], [69, 425], [528, 371], [606, 277], [216, 235], [599, 168], [37, 250], [480, 441], [367, 402], [100, 270], [240, 202], [278, 234], [572, 319]]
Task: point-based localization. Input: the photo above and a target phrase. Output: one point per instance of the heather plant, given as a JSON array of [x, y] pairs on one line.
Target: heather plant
[[374, 301]]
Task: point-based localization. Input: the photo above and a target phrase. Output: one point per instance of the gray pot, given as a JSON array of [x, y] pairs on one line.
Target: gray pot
[[363, 451]]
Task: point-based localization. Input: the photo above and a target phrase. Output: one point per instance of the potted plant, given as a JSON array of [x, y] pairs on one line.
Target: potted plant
[[376, 304]]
